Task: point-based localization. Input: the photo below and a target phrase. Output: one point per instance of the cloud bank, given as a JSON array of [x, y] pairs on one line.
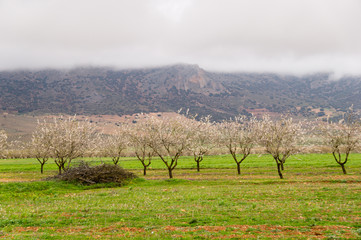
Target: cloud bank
[[299, 36]]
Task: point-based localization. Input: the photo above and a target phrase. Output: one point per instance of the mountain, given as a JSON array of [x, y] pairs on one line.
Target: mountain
[[99, 91]]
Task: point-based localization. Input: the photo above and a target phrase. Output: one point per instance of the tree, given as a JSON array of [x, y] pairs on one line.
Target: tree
[[202, 139], [40, 145], [169, 138], [239, 136], [3, 142], [69, 139], [140, 141], [343, 137], [114, 145], [279, 138]]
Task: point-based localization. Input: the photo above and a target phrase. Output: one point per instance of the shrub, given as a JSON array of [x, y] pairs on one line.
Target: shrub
[[104, 173]]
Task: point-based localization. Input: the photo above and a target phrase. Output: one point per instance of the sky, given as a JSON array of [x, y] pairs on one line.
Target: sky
[[285, 36]]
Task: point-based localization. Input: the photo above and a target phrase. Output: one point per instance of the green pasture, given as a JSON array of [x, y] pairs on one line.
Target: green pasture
[[314, 201]]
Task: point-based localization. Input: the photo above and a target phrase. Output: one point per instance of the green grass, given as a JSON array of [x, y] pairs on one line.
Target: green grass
[[314, 200], [309, 164]]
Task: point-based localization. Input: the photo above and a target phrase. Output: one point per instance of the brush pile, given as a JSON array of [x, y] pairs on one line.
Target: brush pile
[[103, 173]]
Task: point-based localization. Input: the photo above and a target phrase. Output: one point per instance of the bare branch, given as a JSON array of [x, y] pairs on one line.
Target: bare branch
[[239, 135], [280, 138]]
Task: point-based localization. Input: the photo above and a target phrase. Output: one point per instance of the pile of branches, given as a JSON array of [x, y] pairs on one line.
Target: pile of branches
[[104, 173]]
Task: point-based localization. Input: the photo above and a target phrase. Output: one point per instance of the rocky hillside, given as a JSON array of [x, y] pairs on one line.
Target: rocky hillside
[[108, 91]]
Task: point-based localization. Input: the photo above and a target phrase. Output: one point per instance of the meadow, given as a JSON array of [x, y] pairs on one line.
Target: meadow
[[314, 201]]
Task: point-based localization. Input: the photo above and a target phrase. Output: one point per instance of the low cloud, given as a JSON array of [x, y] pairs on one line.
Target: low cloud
[[251, 35]]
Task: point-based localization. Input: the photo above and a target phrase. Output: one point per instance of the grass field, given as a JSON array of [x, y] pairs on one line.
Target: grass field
[[314, 201]]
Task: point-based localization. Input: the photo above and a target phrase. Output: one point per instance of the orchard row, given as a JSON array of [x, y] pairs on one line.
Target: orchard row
[[168, 138]]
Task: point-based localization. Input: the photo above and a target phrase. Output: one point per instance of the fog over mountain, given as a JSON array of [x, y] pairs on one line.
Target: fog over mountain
[[298, 37]]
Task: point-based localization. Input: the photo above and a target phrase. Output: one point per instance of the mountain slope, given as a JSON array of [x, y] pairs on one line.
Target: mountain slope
[[108, 91]]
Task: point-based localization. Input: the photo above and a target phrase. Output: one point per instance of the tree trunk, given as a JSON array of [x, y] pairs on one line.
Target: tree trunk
[[170, 173], [59, 169], [198, 167], [42, 168], [343, 168], [239, 168], [115, 161], [69, 162], [145, 170], [279, 166]]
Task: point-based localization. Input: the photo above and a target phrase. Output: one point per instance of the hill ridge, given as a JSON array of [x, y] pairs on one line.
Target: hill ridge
[[101, 90]]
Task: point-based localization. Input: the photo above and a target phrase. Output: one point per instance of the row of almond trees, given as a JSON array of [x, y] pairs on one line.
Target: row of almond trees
[[170, 138]]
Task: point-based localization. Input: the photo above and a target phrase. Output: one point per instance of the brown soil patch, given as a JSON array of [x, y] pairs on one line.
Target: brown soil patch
[[231, 174], [11, 180], [247, 231], [27, 229], [120, 229], [232, 231]]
